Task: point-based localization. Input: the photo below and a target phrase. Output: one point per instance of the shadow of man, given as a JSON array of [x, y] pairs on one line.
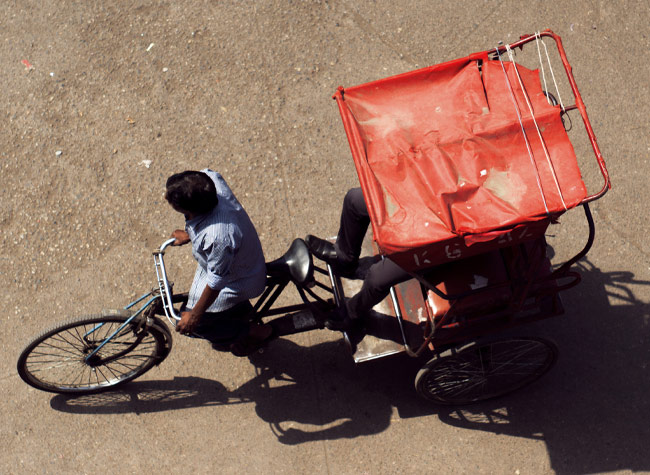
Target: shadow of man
[[318, 393], [304, 393]]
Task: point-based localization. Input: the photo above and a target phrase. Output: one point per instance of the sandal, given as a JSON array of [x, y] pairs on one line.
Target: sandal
[[248, 345]]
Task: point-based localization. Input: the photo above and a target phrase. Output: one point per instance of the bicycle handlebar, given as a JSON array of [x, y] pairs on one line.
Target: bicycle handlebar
[[166, 244], [164, 285]]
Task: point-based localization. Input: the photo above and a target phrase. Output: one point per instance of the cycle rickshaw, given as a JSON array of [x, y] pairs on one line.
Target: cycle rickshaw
[[463, 166]]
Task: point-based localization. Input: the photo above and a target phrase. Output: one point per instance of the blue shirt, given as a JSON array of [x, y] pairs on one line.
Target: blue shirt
[[228, 251]]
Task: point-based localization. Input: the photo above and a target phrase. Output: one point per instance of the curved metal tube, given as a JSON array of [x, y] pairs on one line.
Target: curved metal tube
[[163, 283]]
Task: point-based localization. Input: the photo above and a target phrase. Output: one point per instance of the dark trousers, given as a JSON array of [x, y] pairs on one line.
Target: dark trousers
[[383, 274], [227, 326]]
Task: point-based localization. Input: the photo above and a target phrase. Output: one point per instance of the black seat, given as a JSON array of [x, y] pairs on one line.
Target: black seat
[[296, 263]]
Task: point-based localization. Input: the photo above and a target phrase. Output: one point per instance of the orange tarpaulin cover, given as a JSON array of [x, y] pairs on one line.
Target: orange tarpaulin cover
[[442, 158]]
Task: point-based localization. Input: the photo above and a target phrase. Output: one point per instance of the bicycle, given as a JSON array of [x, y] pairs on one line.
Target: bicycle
[[94, 353]]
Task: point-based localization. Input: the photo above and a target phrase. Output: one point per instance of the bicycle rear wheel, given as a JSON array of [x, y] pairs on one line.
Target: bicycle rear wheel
[[485, 370], [59, 359]]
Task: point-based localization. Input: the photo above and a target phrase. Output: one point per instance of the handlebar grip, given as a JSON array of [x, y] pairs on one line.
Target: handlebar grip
[[166, 244]]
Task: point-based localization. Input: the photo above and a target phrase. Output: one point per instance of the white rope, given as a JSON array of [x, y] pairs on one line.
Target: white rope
[[539, 133], [523, 130], [550, 67], [541, 64]]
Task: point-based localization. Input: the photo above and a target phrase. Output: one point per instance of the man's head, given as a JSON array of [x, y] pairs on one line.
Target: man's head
[[191, 192]]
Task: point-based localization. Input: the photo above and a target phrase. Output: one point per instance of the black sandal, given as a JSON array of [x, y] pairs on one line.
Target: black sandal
[[248, 345]]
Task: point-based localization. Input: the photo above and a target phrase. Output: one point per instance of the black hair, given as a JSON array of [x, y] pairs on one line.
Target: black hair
[[191, 191]]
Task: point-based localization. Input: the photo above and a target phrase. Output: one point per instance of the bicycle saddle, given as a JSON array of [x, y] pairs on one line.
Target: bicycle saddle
[[296, 263]]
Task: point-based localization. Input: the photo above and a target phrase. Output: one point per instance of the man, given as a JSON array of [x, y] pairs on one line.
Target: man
[[231, 267]]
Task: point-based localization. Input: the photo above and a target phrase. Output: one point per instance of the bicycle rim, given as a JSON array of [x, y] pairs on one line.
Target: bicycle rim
[[58, 360], [478, 372]]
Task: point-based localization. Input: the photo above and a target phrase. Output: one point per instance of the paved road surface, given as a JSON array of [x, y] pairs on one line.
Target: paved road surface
[[130, 92]]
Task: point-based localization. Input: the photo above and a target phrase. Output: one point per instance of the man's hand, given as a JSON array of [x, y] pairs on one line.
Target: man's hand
[[190, 320], [187, 324], [181, 237]]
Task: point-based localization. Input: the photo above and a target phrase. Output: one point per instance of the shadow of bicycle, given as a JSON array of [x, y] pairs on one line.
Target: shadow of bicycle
[[304, 393], [591, 410], [147, 396]]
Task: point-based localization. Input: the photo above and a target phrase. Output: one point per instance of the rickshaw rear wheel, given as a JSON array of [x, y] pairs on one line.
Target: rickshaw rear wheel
[[484, 370]]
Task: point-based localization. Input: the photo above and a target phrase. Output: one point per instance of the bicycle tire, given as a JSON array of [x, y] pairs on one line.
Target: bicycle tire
[[485, 370], [56, 360]]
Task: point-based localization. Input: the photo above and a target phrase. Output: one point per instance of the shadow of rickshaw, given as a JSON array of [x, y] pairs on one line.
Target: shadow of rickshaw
[[591, 409]]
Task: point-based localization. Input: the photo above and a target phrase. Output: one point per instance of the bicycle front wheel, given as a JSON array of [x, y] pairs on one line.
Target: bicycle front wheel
[[61, 360]]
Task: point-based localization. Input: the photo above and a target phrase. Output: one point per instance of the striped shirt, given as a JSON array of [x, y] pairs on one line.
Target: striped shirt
[[228, 251]]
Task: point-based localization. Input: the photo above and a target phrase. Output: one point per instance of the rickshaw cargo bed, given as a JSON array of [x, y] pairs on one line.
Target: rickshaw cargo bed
[[453, 163]]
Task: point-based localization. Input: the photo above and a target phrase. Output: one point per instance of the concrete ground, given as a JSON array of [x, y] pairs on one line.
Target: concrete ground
[[130, 92]]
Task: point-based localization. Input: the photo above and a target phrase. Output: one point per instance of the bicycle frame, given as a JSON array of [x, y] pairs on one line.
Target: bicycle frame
[[125, 324], [308, 315], [163, 293], [302, 317]]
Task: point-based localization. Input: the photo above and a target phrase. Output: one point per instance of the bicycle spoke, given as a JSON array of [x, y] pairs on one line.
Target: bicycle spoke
[[55, 364], [75, 375], [113, 369], [460, 388], [71, 360], [512, 357], [76, 335], [65, 342], [481, 372], [64, 351], [75, 343], [108, 367]]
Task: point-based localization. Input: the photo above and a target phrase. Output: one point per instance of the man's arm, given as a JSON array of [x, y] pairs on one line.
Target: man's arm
[[189, 320]]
